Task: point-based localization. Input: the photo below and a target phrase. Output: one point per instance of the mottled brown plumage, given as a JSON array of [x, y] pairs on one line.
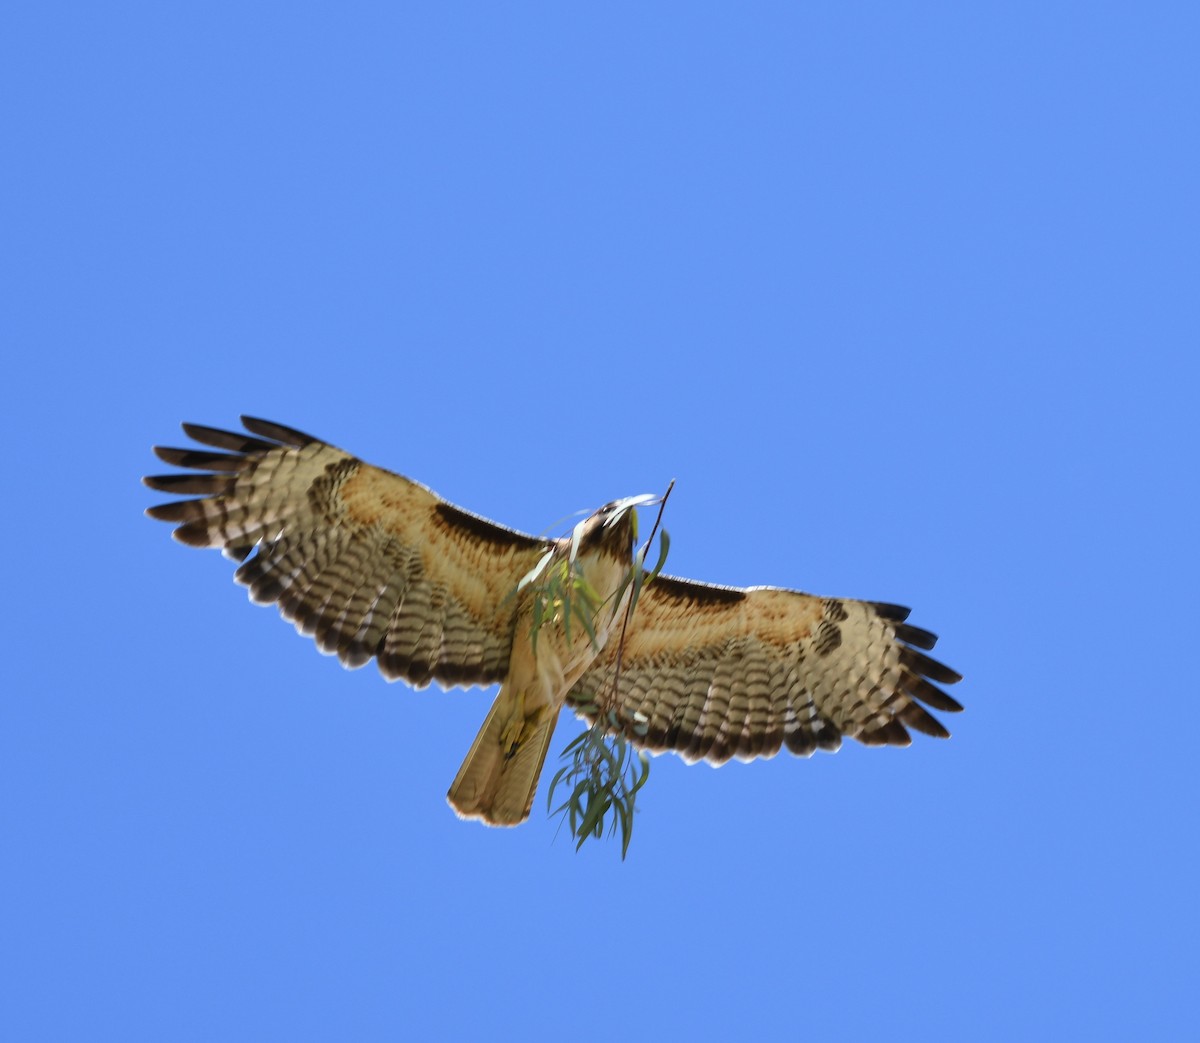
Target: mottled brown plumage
[[717, 672], [373, 565]]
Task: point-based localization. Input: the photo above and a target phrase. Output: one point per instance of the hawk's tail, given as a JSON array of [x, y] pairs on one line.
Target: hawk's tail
[[499, 777]]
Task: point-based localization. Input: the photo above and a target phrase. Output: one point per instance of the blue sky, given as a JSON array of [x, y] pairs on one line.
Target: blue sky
[[904, 298]]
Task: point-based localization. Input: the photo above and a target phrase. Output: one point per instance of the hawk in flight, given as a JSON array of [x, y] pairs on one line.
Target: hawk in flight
[[373, 565]]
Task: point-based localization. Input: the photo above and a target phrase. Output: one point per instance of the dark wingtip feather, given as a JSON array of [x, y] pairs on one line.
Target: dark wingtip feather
[[926, 667], [278, 432], [931, 695], [205, 484], [199, 459], [231, 440], [919, 720], [915, 636], [195, 534], [176, 511], [886, 610]]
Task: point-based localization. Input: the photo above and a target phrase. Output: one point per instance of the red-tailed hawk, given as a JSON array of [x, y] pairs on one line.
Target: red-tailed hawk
[[373, 565]]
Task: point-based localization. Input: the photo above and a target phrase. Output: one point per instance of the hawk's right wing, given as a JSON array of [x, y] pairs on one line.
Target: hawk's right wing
[[367, 562]]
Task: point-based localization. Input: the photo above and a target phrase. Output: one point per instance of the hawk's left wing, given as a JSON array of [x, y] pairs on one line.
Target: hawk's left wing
[[717, 672], [367, 562]]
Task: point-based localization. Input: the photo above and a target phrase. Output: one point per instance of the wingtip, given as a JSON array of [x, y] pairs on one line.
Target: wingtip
[[233, 441], [276, 432], [888, 610], [926, 667]]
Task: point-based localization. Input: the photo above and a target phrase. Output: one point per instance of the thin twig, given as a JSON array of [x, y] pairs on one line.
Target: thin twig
[[662, 505]]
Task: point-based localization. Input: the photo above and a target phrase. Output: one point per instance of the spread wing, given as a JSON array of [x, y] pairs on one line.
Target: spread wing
[[365, 561], [718, 672]]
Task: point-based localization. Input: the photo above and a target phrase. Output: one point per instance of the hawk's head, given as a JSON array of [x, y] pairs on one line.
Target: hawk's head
[[613, 527]]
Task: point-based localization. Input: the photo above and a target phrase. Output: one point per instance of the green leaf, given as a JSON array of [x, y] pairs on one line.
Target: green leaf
[[645, 761], [639, 578], [664, 545], [626, 815], [585, 617], [579, 740], [536, 623]]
